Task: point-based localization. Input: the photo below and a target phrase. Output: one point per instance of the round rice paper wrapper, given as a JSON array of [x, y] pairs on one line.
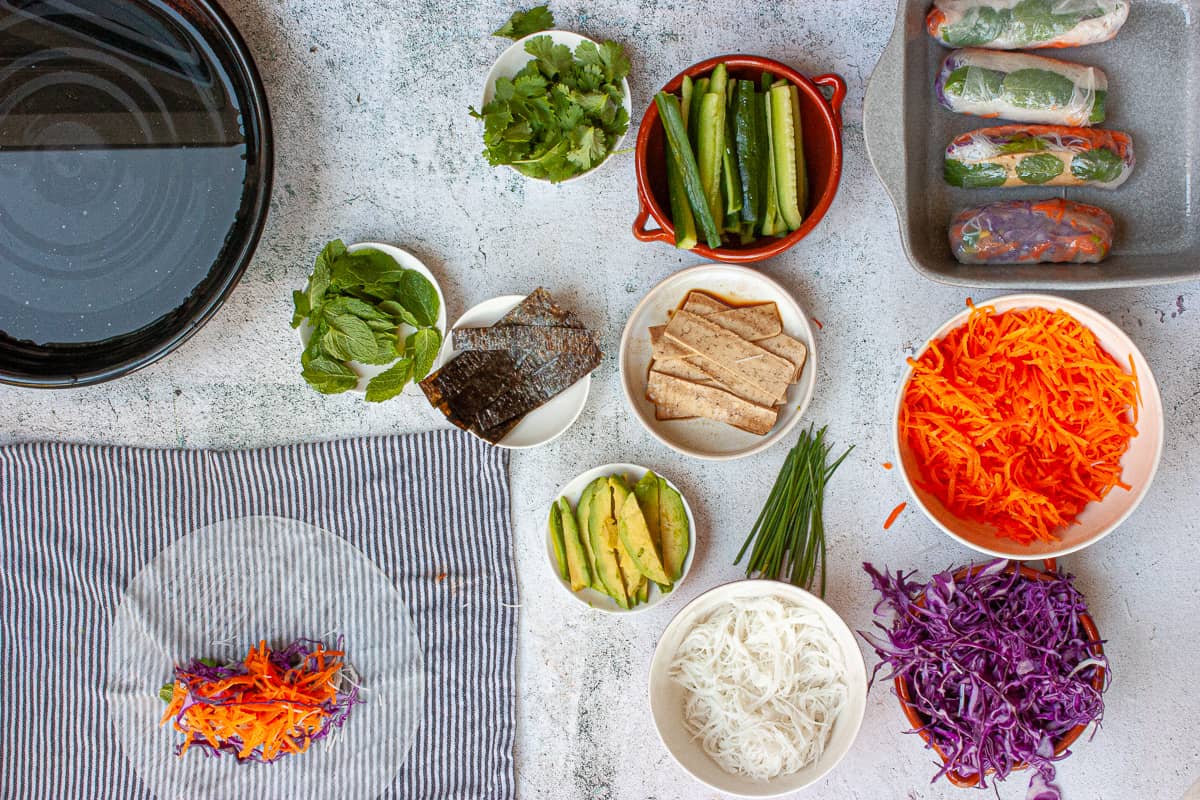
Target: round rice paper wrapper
[[216, 593]]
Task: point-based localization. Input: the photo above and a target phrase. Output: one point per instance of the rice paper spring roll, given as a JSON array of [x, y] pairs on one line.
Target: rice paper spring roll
[[1021, 87], [1032, 232], [1039, 155], [1025, 24]]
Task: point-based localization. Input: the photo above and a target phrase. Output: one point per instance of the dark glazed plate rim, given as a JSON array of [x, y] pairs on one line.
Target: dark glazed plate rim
[[256, 121]]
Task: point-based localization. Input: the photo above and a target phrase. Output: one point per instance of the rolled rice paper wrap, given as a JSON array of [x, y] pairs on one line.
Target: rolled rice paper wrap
[[1032, 232], [1021, 87], [1039, 155], [1025, 24]]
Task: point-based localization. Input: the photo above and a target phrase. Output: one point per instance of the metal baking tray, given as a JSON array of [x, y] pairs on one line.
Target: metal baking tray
[[1153, 68]]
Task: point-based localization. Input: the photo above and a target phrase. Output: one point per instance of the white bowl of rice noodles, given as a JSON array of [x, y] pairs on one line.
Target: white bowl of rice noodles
[[757, 688]]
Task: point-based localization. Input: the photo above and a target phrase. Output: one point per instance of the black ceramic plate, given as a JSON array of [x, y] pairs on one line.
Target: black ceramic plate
[[135, 172]]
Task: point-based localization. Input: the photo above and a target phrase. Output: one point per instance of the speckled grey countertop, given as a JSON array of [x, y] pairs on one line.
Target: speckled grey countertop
[[369, 100]]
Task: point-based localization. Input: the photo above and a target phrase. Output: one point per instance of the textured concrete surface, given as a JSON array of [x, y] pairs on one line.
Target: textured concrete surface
[[374, 143]]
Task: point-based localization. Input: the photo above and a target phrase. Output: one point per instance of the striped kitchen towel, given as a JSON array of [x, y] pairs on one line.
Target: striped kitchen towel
[[77, 523]]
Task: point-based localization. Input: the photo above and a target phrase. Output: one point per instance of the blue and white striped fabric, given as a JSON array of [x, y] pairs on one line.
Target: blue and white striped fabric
[[78, 522]]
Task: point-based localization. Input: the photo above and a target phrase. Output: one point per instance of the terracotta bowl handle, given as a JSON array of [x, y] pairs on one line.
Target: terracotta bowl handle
[[838, 85], [640, 231]]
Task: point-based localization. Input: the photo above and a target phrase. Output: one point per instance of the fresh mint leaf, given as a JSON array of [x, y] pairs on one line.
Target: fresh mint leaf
[[303, 310], [1039, 169], [523, 23], [386, 348], [417, 294], [353, 305], [423, 347], [390, 382], [319, 281], [328, 376], [399, 313], [364, 267], [349, 338], [1102, 166]]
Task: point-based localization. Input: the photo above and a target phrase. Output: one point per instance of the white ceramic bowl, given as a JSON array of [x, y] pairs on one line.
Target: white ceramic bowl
[[1097, 520], [591, 597], [667, 696], [407, 260], [546, 422], [705, 438], [514, 59]]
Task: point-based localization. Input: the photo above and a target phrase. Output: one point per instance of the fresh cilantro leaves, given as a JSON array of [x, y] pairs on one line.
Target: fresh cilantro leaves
[[523, 23], [561, 114], [356, 303]]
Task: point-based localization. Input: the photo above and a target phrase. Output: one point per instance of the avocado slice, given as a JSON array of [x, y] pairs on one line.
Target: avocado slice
[[676, 538], [556, 536], [577, 565], [631, 576], [635, 536], [647, 496], [605, 549], [583, 516]]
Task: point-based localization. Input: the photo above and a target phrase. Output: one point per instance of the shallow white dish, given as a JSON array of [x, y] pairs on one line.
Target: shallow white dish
[[546, 422], [514, 59], [408, 261], [705, 438], [1097, 520], [667, 696], [591, 597]]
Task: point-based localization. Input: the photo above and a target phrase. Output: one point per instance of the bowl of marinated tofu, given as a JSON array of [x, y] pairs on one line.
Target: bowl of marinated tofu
[[718, 362]]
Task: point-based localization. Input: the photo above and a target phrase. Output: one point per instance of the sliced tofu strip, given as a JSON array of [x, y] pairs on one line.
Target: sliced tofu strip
[[759, 321], [750, 322], [734, 383], [663, 348], [687, 370], [785, 346], [703, 303], [680, 397], [735, 355], [663, 413]]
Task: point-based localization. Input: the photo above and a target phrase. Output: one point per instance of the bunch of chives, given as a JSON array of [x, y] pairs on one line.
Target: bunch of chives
[[789, 535]]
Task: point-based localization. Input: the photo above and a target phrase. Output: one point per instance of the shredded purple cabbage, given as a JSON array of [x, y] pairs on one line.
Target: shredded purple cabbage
[[291, 656], [999, 665]]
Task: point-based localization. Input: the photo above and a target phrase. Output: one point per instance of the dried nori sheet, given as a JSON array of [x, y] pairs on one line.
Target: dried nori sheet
[[526, 338], [489, 391], [536, 389], [467, 384]]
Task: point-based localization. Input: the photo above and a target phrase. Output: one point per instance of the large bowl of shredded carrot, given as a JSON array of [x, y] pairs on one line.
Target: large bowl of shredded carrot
[[1029, 427]]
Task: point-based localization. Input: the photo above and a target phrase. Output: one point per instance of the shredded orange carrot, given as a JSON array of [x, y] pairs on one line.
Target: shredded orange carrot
[[892, 516], [1019, 420], [887, 465], [262, 714]]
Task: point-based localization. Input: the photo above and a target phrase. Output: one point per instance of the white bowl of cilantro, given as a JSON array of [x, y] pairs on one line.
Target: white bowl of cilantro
[[371, 319], [556, 104]]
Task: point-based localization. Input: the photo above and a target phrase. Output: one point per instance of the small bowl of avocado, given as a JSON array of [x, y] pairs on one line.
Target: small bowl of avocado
[[620, 538]]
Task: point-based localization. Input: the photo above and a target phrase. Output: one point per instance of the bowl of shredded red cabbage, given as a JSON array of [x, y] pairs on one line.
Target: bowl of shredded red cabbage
[[273, 703], [998, 667]]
